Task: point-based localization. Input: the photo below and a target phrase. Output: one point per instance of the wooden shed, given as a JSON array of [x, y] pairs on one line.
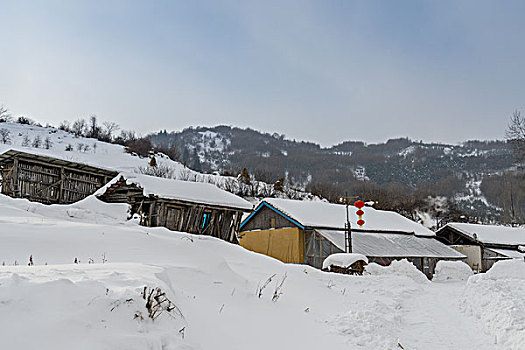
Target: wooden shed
[[308, 232], [49, 180], [185, 206]]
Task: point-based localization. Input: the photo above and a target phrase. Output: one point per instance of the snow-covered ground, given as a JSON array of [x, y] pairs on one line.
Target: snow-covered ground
[[222, 296], [220, 292]]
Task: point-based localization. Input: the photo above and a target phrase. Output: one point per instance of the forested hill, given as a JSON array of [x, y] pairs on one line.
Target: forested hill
[[475, 175]]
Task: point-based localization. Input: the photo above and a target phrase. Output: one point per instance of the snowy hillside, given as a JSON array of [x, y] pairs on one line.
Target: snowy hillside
[[221, 295], [469, 174], [57, 143], [83, 150]]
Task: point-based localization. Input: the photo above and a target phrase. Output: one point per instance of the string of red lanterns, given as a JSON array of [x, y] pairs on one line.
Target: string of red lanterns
[[359, 205]]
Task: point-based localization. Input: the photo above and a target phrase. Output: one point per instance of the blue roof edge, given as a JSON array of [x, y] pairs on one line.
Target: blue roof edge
[[263, 204]]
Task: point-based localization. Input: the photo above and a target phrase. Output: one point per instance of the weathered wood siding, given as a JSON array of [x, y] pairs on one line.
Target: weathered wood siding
[[266, 218], [177, 215], [48, 184]]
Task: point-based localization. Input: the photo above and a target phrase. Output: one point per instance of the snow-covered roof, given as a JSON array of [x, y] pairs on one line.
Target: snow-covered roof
[[514, 254], [392, 245], [197, 192], [328, 215], [54, 160], [343, 260], [491, 233]]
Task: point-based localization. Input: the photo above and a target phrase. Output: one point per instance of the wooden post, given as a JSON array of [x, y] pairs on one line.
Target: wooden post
[[14, 177], [61, 186]]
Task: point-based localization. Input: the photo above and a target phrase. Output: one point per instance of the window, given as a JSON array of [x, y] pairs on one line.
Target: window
[[272, 222]]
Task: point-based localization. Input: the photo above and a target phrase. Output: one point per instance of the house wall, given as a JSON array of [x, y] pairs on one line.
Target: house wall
[[284, 244], [473, 253], [264, 218], [489, 258]]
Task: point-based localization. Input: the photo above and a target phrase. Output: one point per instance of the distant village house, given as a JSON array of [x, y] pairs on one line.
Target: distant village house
[[484, 245]]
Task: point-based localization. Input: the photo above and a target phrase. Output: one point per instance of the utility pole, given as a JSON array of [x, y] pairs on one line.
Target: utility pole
[[348, 226]]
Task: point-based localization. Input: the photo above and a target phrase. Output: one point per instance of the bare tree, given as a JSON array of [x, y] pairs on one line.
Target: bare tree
[[5, 116], [94, 129], [79, 127], [65, 125], [37, 142], [515, 134], [48, 143], [108, 130], [26, 142], [4, 135]]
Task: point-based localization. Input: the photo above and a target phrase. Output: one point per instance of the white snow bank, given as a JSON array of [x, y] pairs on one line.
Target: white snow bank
[[343, 260], [89, 209], [399, 268], [452, 270], [507, 269], [87, 307], [496, 298]]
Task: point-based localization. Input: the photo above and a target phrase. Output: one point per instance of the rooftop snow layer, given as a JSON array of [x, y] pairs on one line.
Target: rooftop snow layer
[[343, 260], [392, 245], [492, 233], [323, 214], [198, 192]]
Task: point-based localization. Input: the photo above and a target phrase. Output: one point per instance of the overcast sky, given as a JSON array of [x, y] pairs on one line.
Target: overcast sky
[[324, 71]]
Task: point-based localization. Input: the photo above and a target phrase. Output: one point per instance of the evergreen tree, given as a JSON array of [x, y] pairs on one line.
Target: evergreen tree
[[196, 161], [153, 162]]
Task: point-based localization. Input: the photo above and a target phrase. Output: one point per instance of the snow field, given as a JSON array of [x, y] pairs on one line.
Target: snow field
[[216, 286]]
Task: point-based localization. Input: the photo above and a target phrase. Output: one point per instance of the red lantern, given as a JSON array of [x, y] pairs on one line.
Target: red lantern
[[360, 212], [359, 204], [361, 222]]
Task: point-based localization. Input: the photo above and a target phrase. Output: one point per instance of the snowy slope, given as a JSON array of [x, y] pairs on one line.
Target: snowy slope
[[215, 285], [98, 153]]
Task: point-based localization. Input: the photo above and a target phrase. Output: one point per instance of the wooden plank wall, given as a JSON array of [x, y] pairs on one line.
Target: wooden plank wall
[[47, 183]]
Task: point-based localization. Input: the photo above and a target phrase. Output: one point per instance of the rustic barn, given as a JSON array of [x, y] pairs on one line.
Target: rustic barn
[[484, 245], [308, 232], [49, 180], [185, 206]]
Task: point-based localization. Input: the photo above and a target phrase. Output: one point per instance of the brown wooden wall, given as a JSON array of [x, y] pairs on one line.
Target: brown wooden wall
[[264, 218], [176, 215], [48, 184]]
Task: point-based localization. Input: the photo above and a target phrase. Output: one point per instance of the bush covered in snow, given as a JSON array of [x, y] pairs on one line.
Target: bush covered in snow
[[452, 271], [399, 268]]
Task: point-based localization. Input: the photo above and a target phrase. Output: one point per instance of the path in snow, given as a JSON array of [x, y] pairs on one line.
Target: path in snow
[[433, 320]]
